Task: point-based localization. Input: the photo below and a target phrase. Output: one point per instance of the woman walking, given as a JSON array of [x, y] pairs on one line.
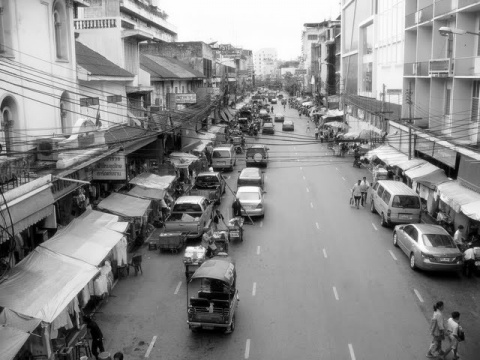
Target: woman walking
[[437, 330]]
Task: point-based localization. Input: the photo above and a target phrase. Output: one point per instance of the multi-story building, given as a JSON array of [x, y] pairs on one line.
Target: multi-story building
[[265, 62], [310, 50]]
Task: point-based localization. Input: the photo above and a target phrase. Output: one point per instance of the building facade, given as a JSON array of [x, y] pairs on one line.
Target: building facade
[[265, 63]]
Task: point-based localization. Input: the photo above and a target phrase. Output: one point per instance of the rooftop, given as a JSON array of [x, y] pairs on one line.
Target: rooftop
[[167, 68], [97, 64]]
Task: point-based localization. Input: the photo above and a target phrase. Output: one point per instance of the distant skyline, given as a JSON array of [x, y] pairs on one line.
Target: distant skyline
[[251, 24]]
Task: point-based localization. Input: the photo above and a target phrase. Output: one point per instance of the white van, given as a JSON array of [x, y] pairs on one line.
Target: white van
[[224, 157], [395, 202]]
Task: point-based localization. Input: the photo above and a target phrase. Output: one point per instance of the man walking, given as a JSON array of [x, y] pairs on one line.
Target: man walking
[[364, 185], [97, 336], [316, 133], [237, 207], [357, 193]]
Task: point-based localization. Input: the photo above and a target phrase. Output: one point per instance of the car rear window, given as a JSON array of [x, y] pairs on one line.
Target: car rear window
[[207, 179], [187, 208], [221, 154], [406, 202], [254, 151], [249, 196], [438, 241]]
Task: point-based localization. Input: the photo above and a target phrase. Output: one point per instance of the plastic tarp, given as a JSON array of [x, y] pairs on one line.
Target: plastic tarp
[[14, 332], [427, 174], [147, 193], [387, 154], [44, 283], [125, 205], [182, 160], [410, 164], [221, 269], [153, 181], [101, 219], [457, 196], [472, 210]]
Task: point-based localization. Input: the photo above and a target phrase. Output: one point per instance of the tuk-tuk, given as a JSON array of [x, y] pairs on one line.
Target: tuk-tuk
[[243, 123], [215, 296]]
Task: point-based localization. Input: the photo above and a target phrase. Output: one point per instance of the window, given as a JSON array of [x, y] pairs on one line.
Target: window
[[89, 101], [183, 89], [312, 37], [381, 189], [386, 197], [406, 202], [176, 89], [60, 30], [114, 99]]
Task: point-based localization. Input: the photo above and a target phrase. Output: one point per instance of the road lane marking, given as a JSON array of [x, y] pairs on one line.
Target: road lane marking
[[418, 295], [335, 293], [308, 190], [261, 223], [150, 347], [344, 179], [254, 289], [337, 169], [352, 354], [266, 177], [247, 349], [318, 226], [258, 250], [177, 288], [393, 255], [325, 253], [311, 205], [304, 178], [374, 226]]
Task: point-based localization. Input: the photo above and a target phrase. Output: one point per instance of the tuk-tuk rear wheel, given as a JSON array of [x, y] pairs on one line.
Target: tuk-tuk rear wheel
[[231, 328]]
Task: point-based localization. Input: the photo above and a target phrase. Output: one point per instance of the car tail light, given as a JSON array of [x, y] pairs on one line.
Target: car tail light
[[428, 256], [259, 206]]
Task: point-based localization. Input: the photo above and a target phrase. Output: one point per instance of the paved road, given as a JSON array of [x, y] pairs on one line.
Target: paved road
[[318, 279]]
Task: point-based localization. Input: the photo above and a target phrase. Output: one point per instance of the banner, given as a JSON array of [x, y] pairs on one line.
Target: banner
[[111, 168]]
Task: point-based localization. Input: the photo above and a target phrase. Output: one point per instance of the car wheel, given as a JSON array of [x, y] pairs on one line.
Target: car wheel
[[372, 207], [395, 239], [231, 329], [413, 266], [383, 222]]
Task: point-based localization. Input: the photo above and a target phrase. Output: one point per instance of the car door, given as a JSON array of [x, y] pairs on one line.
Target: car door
[[411, 240], [402, 234], [377, 198]]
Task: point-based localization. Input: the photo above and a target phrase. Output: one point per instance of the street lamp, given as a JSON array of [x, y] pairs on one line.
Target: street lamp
[[446, 31]]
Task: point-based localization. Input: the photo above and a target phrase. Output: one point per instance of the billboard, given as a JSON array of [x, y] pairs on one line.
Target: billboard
[[111, 168]]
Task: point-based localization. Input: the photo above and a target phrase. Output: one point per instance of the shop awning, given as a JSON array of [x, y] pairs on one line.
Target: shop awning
[[44, 283], [472, 210], [28, 209], [427, 174], [153, 181], [124, 205], [182, 160], [410, 164], [387, 154], [457, 196], [147, 193], [84, 241], [15, 330], [101, 219]]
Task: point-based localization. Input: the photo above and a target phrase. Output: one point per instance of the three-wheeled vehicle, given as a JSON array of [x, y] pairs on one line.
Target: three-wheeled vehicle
[[212, 295], [235, 229]]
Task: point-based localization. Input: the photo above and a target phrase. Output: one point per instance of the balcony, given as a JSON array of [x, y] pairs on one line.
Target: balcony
[[99, 23], [416, 69], [149, 14], [445, 6], [419, 16], [440, 68], [469, 66]]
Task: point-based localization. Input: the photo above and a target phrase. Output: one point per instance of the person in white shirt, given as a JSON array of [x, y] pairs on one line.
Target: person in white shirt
[[452, 335], [469, 261], [459, 236], [364, 185], [357, 193]]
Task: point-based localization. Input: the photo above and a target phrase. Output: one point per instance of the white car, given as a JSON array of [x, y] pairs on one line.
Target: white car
[[251, 198]]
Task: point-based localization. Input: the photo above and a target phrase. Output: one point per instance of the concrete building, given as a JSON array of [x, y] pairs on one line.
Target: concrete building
[[265, 62], [310, 40]]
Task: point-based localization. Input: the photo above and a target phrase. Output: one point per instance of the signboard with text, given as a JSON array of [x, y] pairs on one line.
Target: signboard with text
[[185, 98], [111, 168], [300, 71]]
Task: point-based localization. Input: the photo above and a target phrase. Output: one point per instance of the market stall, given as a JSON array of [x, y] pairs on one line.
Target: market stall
[[187, 166]]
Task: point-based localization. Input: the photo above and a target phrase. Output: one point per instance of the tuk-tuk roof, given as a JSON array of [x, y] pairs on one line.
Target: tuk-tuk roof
[[218, 268]]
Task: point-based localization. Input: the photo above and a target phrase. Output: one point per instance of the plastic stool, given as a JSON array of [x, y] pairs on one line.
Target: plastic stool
[[84, 346]]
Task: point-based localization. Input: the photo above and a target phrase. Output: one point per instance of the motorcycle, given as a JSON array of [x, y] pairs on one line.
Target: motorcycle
[[357, 163]]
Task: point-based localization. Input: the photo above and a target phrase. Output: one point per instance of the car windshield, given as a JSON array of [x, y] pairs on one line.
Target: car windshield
[[207, 179], [248, 196], [187, 208], [406, 202], [221, 154], [438, 241]]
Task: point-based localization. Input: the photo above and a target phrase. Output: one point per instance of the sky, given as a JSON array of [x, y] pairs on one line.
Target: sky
[[250, 24]]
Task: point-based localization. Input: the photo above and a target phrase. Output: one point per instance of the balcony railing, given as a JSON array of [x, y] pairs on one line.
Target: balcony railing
[[440, 68], [463, 3], [467, 66], [419, 16], [100, 23], [410, 20], [152, 15]]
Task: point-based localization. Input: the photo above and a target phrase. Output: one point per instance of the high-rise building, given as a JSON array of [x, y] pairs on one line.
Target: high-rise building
[[265, 62]]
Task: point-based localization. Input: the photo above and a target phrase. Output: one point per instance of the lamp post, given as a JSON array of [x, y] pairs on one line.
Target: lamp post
[[447, 31]]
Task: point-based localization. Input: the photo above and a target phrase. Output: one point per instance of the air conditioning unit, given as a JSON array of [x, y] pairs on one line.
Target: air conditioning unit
[[48, 148], [418, 17]]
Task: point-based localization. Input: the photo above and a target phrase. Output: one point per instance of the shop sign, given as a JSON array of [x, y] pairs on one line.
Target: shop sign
[[445, 155], [111, 168], [300, 71], [185, 98]]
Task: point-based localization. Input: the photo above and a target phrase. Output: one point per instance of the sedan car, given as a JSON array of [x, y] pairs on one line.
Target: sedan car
[[251, 177], [251, 198], [279, 118], [268, 128], [429, 247], [288, 125]]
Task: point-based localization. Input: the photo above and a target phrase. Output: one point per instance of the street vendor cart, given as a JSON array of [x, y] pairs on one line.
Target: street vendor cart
[[171, 241], [235, 229], [192, 259]]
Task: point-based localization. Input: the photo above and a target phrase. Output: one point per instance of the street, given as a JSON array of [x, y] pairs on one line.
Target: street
[[318, 279]]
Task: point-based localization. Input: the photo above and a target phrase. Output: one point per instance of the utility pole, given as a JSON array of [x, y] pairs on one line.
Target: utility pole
[[384, 89]]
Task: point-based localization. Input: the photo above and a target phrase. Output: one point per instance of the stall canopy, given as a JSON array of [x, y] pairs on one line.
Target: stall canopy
[[101, 219], [124, 205], [387, 154], [410, 164], [153, 181], [15, 329], [472, 210], [427, 174], [182, 160], [44, 283], [457, 196], [337, 124]]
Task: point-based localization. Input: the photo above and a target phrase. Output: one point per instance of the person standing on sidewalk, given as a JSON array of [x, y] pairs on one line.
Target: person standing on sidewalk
[[364, 185], [437, 330], [97, 336], [356, 193]]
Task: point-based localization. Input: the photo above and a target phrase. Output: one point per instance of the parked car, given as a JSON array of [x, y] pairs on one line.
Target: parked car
[[251, 198], [224, 157], [251, 177], [210, 185], [429, 247], [257, 155], [288, 125], [273, 100], [268, 128], [279, 118]]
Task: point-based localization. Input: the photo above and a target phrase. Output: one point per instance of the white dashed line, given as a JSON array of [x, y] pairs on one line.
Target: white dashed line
[[325, 253], [254, 289], [150, 347], [311, 205], [258, 250], [247, 349], [304, 178], [308, 190], [393, 255], [335, 293], [344, 179], [261, 223], [301, 168], [177, 288], [337, 169], [352, 354], [374, 226], [418, 295], [317, 225]]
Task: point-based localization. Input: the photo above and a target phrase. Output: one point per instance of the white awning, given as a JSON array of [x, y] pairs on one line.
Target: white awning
[[427, 174], [472, 210], [410, 164], [387, 154], [153, 181], [125, 205], [457, 196]]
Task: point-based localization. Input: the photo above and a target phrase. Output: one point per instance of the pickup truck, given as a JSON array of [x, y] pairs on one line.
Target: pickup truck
[[190, 214], [210, 185]]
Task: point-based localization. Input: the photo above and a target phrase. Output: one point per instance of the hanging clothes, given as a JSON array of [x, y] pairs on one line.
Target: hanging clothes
[[84, 296], [62, 320], [120, 252], [74, 310]]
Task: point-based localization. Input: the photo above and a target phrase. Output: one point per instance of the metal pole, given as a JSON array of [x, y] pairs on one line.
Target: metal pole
[[410, 120]]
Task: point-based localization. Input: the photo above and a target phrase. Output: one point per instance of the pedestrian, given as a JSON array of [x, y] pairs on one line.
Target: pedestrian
[[216, 219], [96, 335], [356, 193], [364, 185], [437, 330], [454, 335], [469, 261], [118, 356], [316, 133], [459, 236], [237, 207], [272, 109], [208, 153]]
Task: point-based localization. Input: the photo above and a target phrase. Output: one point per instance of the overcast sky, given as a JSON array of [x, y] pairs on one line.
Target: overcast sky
[[251, 24]]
